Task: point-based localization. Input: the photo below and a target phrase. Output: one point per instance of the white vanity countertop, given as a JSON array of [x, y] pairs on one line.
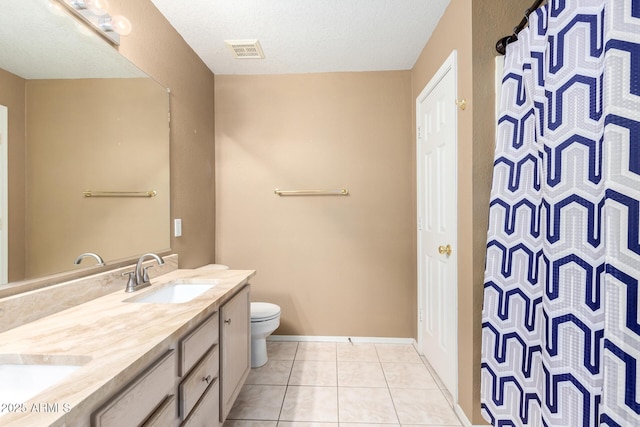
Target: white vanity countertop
[[117, 338]]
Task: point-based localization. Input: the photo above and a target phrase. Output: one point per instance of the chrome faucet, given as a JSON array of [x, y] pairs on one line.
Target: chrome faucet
[[97, 257], [140, 278]]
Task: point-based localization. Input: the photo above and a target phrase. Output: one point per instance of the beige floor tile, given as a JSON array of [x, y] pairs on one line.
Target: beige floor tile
[[305, 424], [258, 402], [408, 375], [281, 350], [303, 403], [247, 423], [325, 351], [360, 374], [357, 352], [314, 373], [398, 353], [433, 373], [274, 372], [365, 405], [416, 406]]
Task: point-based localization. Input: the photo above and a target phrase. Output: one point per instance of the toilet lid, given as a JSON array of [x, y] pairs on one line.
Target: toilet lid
[[264, 311], [214, 267]]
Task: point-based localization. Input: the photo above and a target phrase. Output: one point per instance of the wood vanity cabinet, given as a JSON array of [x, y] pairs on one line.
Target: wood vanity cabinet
[[142, 397], [235, 351], [199, 368], [193, 384], [179, 389]]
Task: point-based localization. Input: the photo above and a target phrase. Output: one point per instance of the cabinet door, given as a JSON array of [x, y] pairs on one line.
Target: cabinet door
[[235, 348], [205, 414], [165, 415], [138, 400]]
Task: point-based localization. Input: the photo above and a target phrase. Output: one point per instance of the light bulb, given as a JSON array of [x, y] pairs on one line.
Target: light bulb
[[97, 7], [121, 25]]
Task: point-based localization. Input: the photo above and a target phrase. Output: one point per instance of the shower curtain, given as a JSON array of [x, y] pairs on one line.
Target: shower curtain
[[561, 331]]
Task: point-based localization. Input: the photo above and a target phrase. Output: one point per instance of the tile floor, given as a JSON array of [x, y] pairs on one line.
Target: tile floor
[[323, 384]]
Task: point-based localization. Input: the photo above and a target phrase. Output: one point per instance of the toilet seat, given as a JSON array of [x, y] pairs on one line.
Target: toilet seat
[[264, 311]]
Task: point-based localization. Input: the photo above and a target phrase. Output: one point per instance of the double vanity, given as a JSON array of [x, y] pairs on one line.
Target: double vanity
[[174, 353]]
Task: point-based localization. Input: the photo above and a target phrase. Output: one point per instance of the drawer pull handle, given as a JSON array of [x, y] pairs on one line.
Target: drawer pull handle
[[228, 321], [207, 379]]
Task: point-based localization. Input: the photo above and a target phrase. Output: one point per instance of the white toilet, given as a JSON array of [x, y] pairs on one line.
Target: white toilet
[[213, 267], [265, 318]]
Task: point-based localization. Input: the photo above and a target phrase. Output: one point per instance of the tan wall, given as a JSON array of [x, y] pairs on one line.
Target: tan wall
[[12, 90], [472, 28], [156, 48], [336, 265], [74, 143]]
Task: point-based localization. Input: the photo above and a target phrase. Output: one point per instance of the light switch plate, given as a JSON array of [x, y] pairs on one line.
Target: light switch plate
[[177, 227]]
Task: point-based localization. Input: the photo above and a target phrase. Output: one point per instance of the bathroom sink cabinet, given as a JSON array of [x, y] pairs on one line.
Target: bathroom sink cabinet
[[235, 352], [138, 400], [199, 369], [194, 383]]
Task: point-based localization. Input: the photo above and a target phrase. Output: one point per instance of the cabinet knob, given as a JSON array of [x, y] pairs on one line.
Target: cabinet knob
[[207, 379], [228, 321]]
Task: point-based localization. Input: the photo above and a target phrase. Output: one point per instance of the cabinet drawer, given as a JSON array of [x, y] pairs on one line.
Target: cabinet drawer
[[197, 342], [165, 416], [205, 414], [194, 385], [138, 399]]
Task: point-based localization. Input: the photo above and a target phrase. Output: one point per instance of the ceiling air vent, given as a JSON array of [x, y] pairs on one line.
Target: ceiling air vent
[[245, 49]]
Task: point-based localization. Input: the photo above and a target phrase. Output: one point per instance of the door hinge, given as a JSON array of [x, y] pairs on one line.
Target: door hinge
[[419, 223], [419, 132], [420, 315]]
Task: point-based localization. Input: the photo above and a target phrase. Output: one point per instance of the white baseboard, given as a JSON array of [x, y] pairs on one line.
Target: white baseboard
[[373, 340], [463, 418]]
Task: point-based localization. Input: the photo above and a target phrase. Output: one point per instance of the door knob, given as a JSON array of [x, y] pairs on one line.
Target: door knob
[[444, 250]]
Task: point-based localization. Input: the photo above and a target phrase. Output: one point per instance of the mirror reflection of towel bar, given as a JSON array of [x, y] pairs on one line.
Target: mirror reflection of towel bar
[[339, 192], [91, 193]]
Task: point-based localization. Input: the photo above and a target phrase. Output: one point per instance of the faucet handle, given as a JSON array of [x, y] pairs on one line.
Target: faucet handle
[[145, 274], [131, 282]]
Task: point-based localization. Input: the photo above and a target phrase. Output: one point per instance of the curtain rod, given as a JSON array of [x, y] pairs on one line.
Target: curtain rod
[[501, 45]]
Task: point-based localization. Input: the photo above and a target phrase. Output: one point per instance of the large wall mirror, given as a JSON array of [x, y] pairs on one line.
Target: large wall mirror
[[80, 117]]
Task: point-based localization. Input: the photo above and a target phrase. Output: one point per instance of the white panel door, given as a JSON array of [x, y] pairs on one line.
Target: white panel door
[[4, 194], [437, 223]]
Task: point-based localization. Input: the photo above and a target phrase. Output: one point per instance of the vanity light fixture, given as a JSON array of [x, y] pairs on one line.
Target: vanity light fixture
[[116, 23], [95, 15]]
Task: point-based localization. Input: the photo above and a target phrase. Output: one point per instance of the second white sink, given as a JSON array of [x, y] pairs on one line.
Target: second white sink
[[23, 377], [175, 293]]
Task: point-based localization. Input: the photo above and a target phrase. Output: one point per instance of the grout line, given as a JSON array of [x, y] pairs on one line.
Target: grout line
[[338, 384], [286, 389], [388, 387]]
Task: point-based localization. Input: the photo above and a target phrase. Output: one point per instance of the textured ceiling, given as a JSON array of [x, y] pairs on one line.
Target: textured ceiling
[[306, 36]]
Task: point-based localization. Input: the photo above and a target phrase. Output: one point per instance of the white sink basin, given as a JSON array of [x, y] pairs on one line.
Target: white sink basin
[[24, 377], [175, 292]]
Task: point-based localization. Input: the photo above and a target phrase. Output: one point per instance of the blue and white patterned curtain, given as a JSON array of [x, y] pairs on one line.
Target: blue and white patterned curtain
[[561, 331]]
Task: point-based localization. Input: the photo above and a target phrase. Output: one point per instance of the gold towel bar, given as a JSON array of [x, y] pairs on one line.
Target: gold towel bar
[[91, 193], [340, 192]]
